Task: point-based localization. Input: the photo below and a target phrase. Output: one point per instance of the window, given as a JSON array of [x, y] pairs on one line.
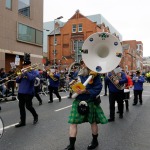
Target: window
[[29, 35], [24, 7], [80, 28], [9, 4], [74, 28], [55, 41]]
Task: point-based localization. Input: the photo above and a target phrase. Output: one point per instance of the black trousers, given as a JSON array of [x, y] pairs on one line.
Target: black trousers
[[119, 96], [136, 94], [25, 100], [53, 90], [105, 87], [37, 89]]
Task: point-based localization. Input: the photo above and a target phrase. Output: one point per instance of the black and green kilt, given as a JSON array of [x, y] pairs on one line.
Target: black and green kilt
[[95, 114]]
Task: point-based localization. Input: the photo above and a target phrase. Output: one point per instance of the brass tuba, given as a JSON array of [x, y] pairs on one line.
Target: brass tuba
[[101, 52]]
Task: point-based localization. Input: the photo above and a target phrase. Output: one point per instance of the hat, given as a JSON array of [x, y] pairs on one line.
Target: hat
[[138, 72], [26, 62], [26, 59]]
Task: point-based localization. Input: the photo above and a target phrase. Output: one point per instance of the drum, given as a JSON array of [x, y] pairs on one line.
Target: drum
[[126, 94]]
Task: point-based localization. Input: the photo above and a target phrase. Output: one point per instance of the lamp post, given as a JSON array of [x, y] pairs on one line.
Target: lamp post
[[55, 39]]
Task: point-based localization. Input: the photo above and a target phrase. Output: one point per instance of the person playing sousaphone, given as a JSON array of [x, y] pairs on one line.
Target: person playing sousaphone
[[85, 108]]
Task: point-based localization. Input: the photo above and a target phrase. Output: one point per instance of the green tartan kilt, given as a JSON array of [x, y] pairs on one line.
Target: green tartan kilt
[[95, 114]]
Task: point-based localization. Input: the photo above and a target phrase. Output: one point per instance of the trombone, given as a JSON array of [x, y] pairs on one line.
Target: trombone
[[19, 72]]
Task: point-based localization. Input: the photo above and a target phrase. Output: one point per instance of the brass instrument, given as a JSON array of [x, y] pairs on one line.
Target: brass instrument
[[51, 73], [115, 77], [105, 51], [19, 72]]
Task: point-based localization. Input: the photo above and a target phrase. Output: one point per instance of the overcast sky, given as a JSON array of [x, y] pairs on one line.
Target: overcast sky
[[130, 17]]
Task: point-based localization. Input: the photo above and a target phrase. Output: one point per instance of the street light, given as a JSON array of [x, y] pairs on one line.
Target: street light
[[55, 39]]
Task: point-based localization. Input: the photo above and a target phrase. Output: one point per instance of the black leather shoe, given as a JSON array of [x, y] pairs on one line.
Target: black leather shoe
[[35, 120], [111, 120], [117, 112], [59, 99], [40, 103], [93, 145], [105, 95], [50, 101], [69, 147], [134, 104], [121, 116], [20, 124]]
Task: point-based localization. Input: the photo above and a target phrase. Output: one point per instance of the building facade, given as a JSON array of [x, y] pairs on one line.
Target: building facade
[[21, 31], [65, 42], [132, 59]]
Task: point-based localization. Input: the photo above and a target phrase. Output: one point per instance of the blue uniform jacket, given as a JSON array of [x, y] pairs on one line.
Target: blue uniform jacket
[[94, 89], [26, 83], [112, 87], [52, 82], [139, 84]]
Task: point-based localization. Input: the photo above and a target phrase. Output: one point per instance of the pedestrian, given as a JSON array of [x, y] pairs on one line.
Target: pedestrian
[[128, 85], [116, 83], [54, 81], [86, 99], [26, 92], [138, 81]]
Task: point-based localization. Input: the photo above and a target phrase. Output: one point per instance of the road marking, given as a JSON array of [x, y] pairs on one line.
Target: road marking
[[63, 108], [7, 127]]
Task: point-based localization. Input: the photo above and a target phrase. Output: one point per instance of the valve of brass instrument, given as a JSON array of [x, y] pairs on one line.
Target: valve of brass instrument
[[19, 73]]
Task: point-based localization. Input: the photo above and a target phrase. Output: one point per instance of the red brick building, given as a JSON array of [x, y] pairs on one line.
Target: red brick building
[[132, 55], [69, 38]]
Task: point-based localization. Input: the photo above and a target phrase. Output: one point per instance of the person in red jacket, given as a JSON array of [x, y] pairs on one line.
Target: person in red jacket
[[128, 85]]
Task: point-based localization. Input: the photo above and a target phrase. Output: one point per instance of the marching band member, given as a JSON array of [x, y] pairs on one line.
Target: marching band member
[[53, 78], [26, 93], [94, 115], [128, 85], [138, 81], [116, 94]]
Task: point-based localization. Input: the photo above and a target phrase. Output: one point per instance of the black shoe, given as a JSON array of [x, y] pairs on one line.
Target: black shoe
[[117, 112], [111, 120], [69, 147], [93, 145], [105, 95], [20, 124], [134, 104], [120, 116], [40, 103], [35, 120], [50, 101], [59, 99]]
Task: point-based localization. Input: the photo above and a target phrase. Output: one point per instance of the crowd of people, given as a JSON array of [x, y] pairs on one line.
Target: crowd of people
[[86, 106]]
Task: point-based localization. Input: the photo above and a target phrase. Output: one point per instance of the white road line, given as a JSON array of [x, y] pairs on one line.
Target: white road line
[[63, 108], [7, 127]]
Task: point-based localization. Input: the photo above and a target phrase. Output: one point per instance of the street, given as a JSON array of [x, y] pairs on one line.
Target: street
[[52, 131]]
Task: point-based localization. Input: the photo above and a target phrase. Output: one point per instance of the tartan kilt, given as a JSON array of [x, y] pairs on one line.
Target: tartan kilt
[[95, 114]]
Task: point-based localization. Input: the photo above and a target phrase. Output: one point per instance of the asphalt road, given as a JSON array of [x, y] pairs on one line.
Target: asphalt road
[[52, 131]]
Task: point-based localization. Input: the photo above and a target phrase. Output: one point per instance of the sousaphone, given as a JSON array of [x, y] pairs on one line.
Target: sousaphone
[[102, 52]]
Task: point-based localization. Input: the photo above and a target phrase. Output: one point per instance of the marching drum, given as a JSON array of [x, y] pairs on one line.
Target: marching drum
[[126, 94]]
